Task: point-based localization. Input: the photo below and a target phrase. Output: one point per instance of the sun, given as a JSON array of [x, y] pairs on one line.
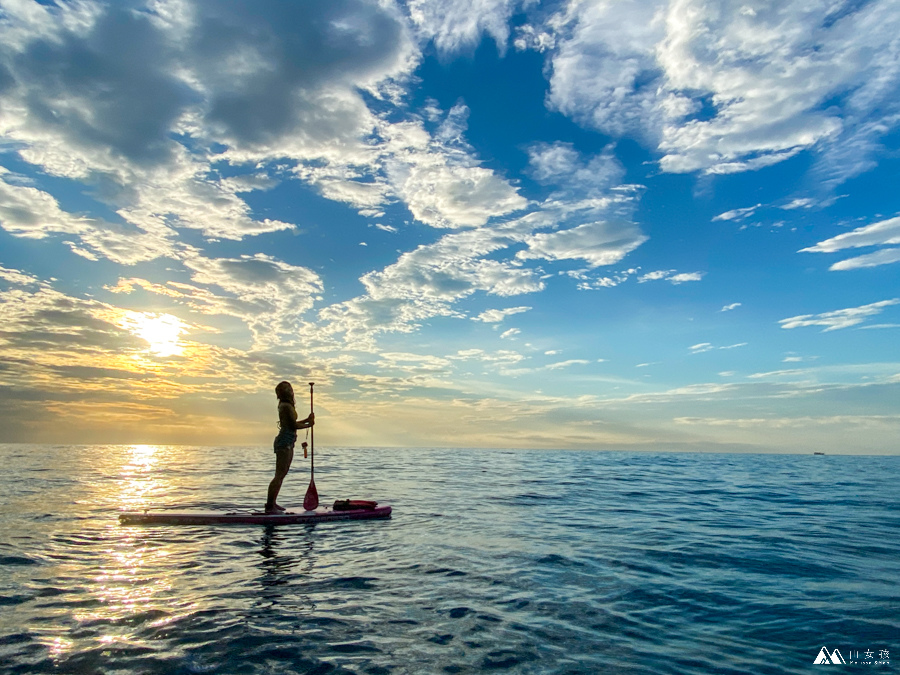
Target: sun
[[161, 331]]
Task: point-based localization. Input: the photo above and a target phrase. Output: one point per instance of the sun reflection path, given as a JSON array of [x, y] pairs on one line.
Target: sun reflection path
[[136, 574], [140, 478]]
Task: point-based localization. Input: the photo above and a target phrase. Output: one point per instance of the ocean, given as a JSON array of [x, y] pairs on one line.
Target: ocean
[[495, 561]]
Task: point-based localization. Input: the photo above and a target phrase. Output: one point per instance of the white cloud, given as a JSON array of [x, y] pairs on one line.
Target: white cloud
[[882, 233], [502, 357], [512, 332], [565, 364], [719, 89], [560, 164], [841, 318], [454, 196], [17, 277], [685, 277], [737, 214], [455, 26], [669, 276], [597, 243], [654, 276], [603, 52], [799, 203], [706, 347], [877, 234], [31, 213], [728, 308], [883, 257], [498, 315]]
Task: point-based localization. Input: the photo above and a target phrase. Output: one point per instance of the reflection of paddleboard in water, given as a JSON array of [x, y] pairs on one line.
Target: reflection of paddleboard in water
[[321, 514]]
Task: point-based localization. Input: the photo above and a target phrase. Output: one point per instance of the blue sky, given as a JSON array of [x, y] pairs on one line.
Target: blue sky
[[497, 223]]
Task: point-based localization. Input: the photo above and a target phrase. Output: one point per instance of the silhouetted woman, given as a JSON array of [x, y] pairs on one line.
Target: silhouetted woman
[[284, 441]]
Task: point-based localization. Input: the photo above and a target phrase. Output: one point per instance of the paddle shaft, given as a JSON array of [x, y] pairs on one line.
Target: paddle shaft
[[312, 435]]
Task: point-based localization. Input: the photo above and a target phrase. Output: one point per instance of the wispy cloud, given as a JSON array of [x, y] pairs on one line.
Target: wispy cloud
[[671, 276], [737, 214], [566, 364], [882, 233], [498, 315], [840, 318], [706, 346]]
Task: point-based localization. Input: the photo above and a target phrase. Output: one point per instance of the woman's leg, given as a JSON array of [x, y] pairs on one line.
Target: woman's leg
[[283, 459]]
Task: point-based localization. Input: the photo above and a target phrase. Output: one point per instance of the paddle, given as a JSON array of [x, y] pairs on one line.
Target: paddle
[[311, 500]]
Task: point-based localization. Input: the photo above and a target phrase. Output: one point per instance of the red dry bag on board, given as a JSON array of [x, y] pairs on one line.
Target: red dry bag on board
[[354, 505]]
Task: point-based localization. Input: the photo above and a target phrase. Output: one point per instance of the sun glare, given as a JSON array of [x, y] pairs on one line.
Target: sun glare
[[161, 331]]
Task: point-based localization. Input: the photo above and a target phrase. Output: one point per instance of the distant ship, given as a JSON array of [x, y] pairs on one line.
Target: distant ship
[[818, 453]]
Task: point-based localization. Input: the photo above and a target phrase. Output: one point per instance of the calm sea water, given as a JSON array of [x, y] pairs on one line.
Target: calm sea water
[[494, 561]]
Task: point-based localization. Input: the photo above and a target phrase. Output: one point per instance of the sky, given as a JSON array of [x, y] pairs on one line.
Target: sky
[[648, 224]]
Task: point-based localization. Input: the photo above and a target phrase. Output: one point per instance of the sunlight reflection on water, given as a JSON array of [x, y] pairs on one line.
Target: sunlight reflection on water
[[525, 562]]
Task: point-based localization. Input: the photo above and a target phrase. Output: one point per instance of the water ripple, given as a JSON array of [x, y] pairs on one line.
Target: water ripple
[[495, 561]]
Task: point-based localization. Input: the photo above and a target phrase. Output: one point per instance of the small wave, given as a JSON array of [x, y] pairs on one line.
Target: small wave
[[17, 560]]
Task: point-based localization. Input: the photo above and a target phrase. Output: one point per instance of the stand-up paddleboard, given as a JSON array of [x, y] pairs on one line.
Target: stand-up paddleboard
[[321, 514]]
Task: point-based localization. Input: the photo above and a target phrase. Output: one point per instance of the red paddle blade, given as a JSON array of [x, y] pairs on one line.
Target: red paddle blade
[[311, 500]]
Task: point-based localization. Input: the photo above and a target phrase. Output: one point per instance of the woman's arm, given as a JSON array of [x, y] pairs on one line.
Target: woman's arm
[[308, 422]]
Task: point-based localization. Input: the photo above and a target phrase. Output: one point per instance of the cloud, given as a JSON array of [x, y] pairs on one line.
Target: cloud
[[435, 174], [883, 257], [31, 213], [670, 276], [737, 214], [598, 243], [268, 295], [414, 364], [706, 347], [841, 318], [799, 203], [882, 233], [728, 308], [723, 88], [565, 364], [455, 27], [877, 234], [685, 277], [429, 280], [512, 332], [497, 315], [600, 64], [443, 195], [560, 164], [501, 356], [142, 103]]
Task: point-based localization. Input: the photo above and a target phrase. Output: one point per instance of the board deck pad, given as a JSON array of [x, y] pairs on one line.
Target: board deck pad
[[321, 514]]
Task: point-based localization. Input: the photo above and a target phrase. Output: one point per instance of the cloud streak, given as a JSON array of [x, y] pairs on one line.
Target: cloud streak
[[840, 318]]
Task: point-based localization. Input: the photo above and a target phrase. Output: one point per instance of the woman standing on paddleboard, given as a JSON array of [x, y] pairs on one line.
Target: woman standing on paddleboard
[[284, 441]]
